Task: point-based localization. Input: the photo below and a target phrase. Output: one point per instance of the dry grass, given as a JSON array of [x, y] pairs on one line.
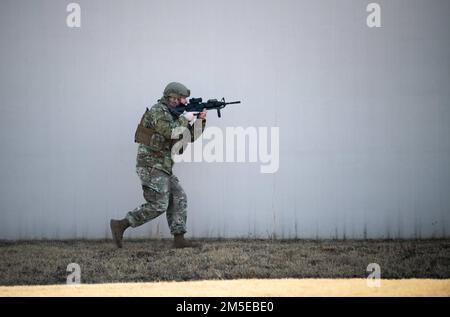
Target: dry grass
[[45, 262]]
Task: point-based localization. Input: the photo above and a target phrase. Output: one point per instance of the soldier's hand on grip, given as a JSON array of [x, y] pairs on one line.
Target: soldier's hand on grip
[[189, 115], [202, 115]]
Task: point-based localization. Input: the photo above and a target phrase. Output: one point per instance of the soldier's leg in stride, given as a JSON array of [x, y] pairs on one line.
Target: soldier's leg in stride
[[155, 185], [177, 214]]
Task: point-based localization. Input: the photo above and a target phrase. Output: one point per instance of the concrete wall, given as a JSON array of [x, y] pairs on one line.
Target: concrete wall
[[363, 115]]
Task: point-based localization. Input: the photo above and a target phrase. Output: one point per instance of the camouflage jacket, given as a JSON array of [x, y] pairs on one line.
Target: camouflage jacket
[[158, 154]]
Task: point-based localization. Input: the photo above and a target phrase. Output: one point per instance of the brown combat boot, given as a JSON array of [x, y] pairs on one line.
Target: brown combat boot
[[118, 227], [179, 242]]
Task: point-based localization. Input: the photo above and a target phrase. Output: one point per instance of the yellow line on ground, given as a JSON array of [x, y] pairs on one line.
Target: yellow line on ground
[[236, 288]]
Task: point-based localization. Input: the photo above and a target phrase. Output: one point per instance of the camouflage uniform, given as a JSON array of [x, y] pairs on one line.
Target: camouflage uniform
[[154, 163]]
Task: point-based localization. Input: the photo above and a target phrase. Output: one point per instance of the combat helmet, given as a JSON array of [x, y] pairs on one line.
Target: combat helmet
[[176, 90]]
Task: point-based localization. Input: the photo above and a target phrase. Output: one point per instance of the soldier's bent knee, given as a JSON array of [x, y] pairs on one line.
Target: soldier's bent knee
[[152, 196]]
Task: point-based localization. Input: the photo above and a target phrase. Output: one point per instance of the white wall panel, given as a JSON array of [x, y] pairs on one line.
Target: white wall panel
[[364, 115]]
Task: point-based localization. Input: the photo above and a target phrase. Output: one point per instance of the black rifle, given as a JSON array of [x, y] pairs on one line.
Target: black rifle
[[196, 105]]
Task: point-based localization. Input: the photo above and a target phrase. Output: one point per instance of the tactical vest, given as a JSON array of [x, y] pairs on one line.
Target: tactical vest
[[143, 134]]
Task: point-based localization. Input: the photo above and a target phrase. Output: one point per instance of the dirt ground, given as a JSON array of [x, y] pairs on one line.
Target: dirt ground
[[238, 288], [45, 262]]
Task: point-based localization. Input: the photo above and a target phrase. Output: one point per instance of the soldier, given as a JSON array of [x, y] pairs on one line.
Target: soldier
[[162, 189]]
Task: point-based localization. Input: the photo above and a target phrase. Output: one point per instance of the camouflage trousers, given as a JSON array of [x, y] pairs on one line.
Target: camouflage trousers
[[163, 193]]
